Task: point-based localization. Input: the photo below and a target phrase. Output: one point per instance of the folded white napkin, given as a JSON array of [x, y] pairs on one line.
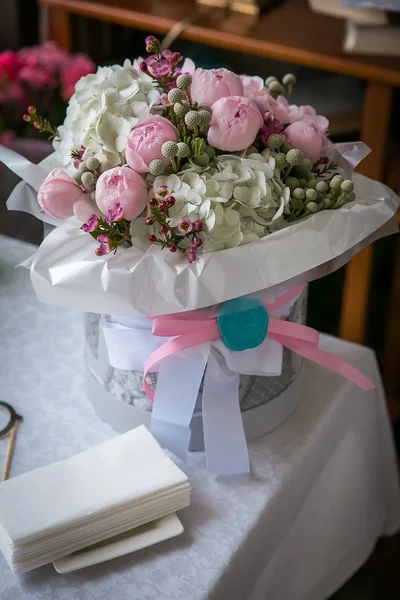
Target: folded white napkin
[[50, 512]]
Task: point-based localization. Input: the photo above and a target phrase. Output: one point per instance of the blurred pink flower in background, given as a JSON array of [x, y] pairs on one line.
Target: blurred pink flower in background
[[43, 76], [10, 64], [79, 66]]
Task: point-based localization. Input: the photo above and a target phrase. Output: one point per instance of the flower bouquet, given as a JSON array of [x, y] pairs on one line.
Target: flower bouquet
[[191, 208]]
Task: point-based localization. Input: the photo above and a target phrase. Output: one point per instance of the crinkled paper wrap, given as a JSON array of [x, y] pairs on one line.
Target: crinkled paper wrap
[[66, 271]]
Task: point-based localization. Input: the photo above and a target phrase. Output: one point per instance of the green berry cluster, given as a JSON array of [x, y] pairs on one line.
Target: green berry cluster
[[89, 171], [192, 121], [277, 88], [309, 193]]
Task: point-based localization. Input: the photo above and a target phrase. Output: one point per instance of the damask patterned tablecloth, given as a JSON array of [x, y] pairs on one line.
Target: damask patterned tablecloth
[[323, 486]]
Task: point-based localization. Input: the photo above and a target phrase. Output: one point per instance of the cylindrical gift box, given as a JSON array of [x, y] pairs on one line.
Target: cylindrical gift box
[[119, 398]]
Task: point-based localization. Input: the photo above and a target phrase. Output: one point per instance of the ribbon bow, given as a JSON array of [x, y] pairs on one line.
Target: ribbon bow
[[197, 347]]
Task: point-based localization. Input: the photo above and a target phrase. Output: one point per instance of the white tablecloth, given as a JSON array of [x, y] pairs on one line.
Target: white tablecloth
[[324, 486]]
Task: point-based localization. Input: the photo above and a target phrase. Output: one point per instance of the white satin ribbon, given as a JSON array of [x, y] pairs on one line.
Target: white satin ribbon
[[130, 342]]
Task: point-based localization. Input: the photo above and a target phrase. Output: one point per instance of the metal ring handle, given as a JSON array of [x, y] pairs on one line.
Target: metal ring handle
[[14, 417]]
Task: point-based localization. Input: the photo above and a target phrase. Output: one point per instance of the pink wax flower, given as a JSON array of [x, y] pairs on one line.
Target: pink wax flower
[[185, 225], [306, 136], [58, 194], [235, 123], [79, 66], [209, 85], [10, 64], [145, 142], [115, 214], [105, 246], [124, 186], [92, 224]]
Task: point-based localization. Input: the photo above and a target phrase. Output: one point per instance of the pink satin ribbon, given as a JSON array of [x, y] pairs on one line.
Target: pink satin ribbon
[[298, 338]]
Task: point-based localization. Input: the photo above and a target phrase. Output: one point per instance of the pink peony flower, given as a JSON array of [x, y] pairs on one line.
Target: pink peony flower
[[10, 64], [209, 85], [79, 66], [124, 186], [58, 194], [84, 208], [306, 136], [145, 142], [235, 123]]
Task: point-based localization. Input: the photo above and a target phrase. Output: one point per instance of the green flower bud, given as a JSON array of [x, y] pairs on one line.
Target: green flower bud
[[169, 149], [150, 178], [312, 183], [105, 166], [302, 183], [82, 167], [311, 195], [340, 201], [156, 167], [77, 178], [275, 141], [280, 160], [251, 150], [292, 182], [322, 187], [206, 107], [202, 160], [327, 202], [192, 118], [270, 79], [88, 179], [175, 95], [294, 157], [306, 164], [285, 148], [336, 182], [92, 163], [312, 207], [183, 81], [289, 79], [275, 88], [210, 151], [183, 150], [180, 109], [347, 186], [297, 203], [204, 117], [299, 194], [349, 196]]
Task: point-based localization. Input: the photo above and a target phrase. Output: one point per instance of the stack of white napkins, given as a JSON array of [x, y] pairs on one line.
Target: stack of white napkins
[[50, 512]]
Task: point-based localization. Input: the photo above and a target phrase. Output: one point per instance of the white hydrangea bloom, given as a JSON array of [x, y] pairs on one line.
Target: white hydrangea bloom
[[105, 107], [238, 198]]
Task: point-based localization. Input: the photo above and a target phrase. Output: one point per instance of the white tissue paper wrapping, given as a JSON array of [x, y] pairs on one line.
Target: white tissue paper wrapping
[[65, 270]]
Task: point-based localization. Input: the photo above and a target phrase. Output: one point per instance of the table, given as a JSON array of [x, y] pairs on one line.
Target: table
[[323, 487]]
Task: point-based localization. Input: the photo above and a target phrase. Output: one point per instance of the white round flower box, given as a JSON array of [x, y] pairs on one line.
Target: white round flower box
[[119, 398]]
